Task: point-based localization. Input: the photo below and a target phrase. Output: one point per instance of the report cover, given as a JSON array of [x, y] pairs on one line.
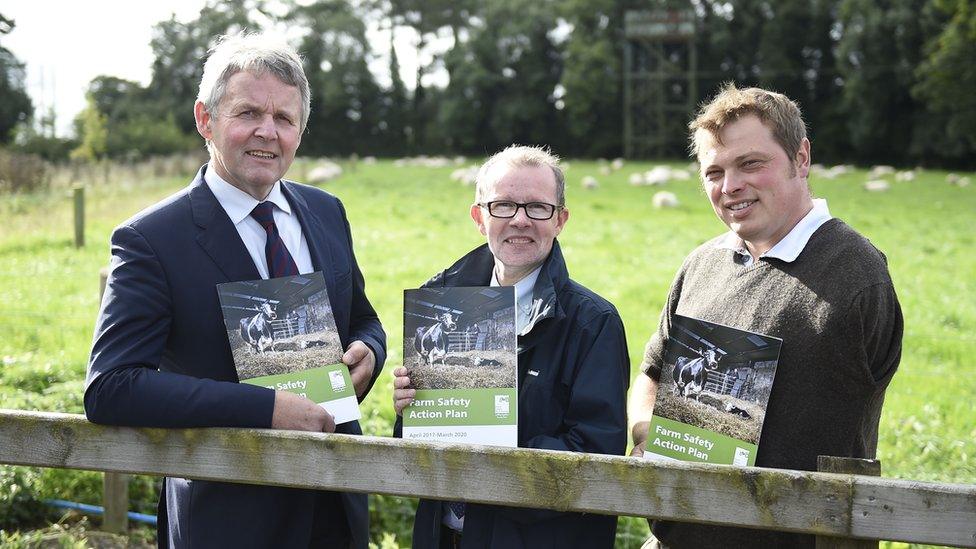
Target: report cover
[[459, 345], [712, 396], [283, 336]]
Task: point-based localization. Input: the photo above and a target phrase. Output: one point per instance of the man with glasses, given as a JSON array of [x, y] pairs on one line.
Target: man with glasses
[[573, 367]]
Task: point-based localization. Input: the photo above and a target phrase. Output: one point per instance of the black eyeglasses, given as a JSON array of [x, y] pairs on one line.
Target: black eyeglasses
[[506, 209]]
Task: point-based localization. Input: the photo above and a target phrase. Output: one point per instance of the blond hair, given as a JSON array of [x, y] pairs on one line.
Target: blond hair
[[778, 112]]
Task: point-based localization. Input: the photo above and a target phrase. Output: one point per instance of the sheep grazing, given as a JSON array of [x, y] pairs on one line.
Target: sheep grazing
[[636, 179], [465, 176], [605, 170], [907, 175], [590, 182], [665, 199], [831, 173], [877, 185], [878, 171], [658, 175], [617, 164], [325, 171], [369, 160], [426, 162]]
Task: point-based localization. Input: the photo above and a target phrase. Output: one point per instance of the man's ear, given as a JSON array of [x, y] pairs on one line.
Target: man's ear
[[477, 214], [802, 161], [562, 216], [202, 118]]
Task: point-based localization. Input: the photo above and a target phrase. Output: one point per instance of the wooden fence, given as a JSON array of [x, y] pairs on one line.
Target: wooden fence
[[824, 504]]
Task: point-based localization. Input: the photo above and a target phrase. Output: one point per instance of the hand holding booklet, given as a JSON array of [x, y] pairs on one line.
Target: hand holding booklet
[[712, 395], [283, 336], [459, 346]]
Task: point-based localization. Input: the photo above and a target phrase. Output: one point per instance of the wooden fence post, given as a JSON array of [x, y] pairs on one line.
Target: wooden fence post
[[115, 486], [851, 466], [79, 199]]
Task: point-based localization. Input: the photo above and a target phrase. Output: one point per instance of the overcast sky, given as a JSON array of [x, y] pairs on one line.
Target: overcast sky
[[66, 44]]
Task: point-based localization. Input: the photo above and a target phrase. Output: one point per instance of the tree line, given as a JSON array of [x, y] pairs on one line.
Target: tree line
[[878, 80]]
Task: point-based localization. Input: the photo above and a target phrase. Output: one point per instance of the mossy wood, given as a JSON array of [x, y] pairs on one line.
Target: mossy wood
[[799, 501]]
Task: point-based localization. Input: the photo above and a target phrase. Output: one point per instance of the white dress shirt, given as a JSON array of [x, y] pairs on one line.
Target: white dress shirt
[[238, 205], [789, 248], [523, 310], [523, 297]]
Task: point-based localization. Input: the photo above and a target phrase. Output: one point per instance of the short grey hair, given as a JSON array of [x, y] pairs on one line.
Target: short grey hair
[[518, 156], [258, 54]]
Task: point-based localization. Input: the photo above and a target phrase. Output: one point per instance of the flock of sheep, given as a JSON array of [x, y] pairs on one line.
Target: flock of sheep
[[878, 178]]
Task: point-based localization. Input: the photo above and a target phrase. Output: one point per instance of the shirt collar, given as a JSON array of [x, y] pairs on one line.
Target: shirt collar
[[523, 288], [790, 247], [237, 203]]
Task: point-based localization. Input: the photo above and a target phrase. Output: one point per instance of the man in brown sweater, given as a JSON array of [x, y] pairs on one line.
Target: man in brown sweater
[[786, 269]]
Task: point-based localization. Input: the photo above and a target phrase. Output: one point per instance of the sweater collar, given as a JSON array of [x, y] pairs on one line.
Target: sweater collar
[[790, 247]]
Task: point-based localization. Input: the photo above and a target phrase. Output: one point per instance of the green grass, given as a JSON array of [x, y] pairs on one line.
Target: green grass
[[411, 222]]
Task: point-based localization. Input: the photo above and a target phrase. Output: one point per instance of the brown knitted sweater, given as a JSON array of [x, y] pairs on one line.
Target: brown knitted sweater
[[835, 309]]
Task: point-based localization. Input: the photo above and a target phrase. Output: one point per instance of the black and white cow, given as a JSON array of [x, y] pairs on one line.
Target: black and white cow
[[431, 341], [690, 373], [256, 330]]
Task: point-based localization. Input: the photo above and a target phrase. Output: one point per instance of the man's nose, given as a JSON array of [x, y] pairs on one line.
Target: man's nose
[[266, 127], [521, 218], [732, 183]]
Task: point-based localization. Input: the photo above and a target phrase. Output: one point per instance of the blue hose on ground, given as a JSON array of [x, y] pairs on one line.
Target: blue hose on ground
[[98, 510]]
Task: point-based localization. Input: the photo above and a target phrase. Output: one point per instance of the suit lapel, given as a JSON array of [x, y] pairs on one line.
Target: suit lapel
[[314, 231], [217, 235]]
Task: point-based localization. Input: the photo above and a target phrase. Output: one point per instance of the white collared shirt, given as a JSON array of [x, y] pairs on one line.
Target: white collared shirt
[[523, 297], [791, 245], [238, 205], [523, 309]]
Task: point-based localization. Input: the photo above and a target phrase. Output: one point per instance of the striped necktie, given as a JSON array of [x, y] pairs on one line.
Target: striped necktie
[[280, 262]]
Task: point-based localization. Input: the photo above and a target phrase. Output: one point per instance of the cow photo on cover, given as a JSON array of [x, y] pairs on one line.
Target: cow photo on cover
[[459, 338], [279, 326], [717, 378]]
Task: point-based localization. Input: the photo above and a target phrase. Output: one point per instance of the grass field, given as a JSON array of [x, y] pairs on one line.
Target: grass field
[[410, 222]]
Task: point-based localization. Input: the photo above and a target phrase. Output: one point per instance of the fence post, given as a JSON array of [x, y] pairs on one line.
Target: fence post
[[79, 199], [115, 486], [851, 466]]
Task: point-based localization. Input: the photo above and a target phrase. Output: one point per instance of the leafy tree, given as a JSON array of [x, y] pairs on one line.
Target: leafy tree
[[881, 43], [179, 51], [428, 18], [503, 80], [346, 100], [145, 135], [946, 80], [394, 116], [592, 78], [91, 124], [15, 104]]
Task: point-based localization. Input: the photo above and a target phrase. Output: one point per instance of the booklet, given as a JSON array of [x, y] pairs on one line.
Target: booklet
[[712, 396], [459, 346], [283, 336]]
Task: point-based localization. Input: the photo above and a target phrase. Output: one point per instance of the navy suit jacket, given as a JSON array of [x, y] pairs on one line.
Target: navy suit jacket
[[161, 358]]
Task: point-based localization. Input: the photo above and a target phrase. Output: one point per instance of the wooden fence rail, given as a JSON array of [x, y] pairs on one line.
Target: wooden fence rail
[[826, 504]]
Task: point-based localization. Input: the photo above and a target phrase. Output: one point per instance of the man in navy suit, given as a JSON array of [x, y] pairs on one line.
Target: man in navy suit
[[160, 356]]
